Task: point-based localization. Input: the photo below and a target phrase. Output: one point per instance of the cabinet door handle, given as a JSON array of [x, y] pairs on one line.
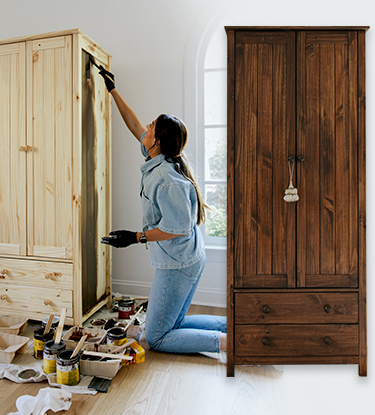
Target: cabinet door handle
[[266, 341], [327, 341], [327, 308], [47, 302], [54, 276], [26, 148], [266, 309], [4, 297]]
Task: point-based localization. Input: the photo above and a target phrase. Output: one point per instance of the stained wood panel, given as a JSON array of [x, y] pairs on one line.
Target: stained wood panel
[[12, 149], [327, 209], [297, 340], [50, 140], [264, 139], [301, 308]]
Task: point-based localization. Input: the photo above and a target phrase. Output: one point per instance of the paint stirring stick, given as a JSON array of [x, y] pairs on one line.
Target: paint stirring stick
[[60, 326], [79, 346], [49, 324]]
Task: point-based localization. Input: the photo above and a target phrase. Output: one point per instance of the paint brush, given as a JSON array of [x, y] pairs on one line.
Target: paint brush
[[131, 321], [92, 60]]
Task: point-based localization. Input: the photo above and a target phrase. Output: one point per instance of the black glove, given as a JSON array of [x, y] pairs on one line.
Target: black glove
[[109, 79], [120, 239]]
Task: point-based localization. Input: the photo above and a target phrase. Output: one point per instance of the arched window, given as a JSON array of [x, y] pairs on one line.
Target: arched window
[[206, 116], [213, 155]]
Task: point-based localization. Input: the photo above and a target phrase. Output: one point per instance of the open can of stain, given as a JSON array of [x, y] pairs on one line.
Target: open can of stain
[[125, 309], [55, 323], [50, 352], [67, 368], [39, 339], [116, 336]]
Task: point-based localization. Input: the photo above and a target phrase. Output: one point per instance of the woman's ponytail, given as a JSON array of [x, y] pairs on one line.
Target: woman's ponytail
[[173, 136]]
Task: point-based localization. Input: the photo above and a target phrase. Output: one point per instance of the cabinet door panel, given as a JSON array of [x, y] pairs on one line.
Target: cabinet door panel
[[265, 136], [12, 150], [50, 137], [327, 179]]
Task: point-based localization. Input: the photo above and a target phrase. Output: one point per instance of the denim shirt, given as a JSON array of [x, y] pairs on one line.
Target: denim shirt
[[170, 203]]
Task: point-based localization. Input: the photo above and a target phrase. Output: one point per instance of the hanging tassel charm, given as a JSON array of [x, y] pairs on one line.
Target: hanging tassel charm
[[291, 192]]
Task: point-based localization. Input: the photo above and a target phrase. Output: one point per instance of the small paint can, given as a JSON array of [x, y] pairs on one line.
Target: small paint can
[[125, 309], [39, 339], [50, 352], [55, 322], [67, 368], [116, 336]]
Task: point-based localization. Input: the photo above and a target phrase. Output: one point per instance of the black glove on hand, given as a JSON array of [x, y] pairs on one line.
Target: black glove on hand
[[120, 239], [109, 79]]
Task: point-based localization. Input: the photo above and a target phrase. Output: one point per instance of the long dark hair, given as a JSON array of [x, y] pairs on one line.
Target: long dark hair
[[173, 136]]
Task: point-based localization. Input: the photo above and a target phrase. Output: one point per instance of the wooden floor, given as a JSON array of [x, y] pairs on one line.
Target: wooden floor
[[168, 384]]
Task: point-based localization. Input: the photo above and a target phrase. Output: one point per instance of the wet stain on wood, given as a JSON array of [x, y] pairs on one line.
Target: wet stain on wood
[[89, 191]]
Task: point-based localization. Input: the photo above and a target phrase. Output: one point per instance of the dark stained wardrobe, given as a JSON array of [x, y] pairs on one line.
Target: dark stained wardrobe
[[296, 270]]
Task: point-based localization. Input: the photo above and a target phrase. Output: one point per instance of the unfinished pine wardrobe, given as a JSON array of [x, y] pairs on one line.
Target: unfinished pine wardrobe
[[55, 175], [296, 268]]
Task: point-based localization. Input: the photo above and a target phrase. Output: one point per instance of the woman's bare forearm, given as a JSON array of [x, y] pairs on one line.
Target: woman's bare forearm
[[128, 115]]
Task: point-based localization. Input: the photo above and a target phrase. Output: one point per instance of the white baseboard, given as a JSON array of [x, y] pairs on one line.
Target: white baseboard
[[203, 296]]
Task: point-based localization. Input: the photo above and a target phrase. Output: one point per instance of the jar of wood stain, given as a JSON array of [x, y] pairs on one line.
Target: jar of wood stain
[[39, 339], [67, 368], [116, 336], [50, 352], [55, 323], [125, 309]]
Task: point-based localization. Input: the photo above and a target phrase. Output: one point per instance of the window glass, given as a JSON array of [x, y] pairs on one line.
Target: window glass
[[215, 97], [216, 154]]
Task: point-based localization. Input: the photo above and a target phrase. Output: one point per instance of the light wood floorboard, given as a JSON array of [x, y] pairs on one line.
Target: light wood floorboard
[[168, 384]]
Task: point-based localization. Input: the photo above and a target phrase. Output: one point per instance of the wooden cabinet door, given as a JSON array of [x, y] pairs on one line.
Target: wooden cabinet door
[[12, 150], [49, 135], [264, 224], [327, 211]]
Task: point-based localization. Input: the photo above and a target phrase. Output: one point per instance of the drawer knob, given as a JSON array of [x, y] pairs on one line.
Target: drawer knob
[[54, 276], [4, 297], [327, 341], [327, 308], [265, 309], [3, 273], [266, 341], [47, 302]]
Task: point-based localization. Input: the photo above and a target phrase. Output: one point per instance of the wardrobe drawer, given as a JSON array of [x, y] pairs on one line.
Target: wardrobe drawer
[[36, 273], [296, 340], [299, 308], [34, 302]]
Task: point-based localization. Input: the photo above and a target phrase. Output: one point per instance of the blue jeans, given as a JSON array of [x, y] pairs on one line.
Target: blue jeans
[[168, 329]]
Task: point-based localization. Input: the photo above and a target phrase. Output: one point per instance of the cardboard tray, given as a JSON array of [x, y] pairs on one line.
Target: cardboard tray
[[107, 369], [98, 334], [12, 325], [10, 345]]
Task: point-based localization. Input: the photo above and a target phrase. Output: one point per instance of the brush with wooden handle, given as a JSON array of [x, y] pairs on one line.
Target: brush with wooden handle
[[131, 321], [60, 327]]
